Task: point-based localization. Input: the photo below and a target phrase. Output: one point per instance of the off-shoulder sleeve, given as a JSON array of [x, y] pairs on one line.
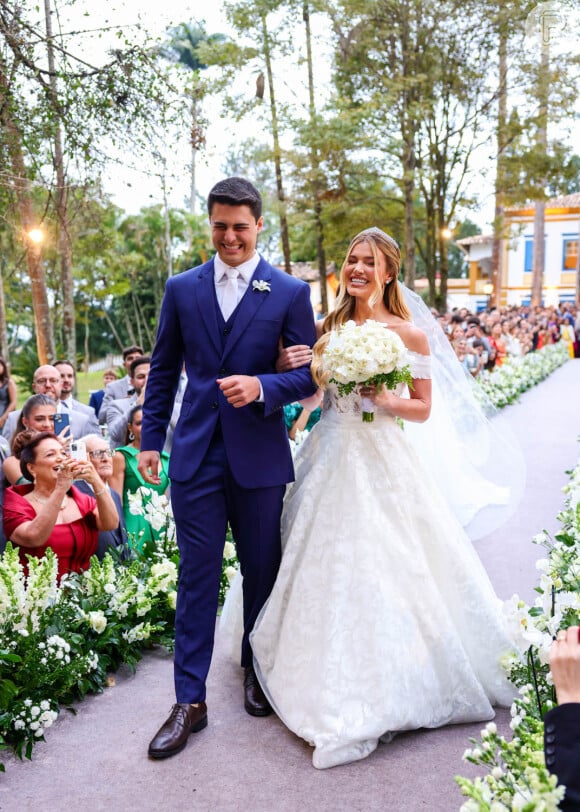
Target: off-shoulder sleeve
[[420, 365]]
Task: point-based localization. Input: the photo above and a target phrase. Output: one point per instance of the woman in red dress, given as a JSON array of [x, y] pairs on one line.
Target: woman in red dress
[[52, 512]]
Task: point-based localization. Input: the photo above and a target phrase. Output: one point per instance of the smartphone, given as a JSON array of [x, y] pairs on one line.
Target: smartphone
[[78, 450], [61, 422]]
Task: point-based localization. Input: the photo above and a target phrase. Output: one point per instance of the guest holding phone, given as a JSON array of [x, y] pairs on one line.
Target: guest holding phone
[[51, 512], [37, 414]]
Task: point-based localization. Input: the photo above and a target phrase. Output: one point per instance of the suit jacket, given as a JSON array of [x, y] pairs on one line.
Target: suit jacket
[[109, 538], [96, 399], [80, 423], [113, 391], [562, 751], [255, 436], [117, 415], [92, 426]]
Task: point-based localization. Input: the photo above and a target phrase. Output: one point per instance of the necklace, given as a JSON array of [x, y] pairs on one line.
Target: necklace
[[44, 499]]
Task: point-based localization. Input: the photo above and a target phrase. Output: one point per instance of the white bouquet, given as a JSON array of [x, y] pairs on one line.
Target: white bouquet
[[369, 354]]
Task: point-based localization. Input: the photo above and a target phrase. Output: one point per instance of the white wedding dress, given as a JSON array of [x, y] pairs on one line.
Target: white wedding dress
[[382, 618]]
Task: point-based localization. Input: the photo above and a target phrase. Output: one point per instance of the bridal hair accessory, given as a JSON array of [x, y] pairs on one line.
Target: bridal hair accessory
[[378, 232], [261, 286]]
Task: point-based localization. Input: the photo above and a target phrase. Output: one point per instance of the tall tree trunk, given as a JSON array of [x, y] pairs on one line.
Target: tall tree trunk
[[22, 192], [498, 221], [320, 253], [277, 150], [542, 142], [408, 129], [3, 325], [64, 242]]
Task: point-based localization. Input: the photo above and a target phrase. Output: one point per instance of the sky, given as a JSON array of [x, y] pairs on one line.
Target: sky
[[132, 188]]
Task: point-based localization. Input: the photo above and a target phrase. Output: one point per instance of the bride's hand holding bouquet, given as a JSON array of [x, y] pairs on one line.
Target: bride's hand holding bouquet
[[370, 358]]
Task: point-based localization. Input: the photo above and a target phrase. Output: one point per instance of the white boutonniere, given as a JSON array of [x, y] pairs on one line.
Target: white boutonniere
[[261, 285]]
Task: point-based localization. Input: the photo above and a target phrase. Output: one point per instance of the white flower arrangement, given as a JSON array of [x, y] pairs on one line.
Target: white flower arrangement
[[504, 384], [517, 777], [261, 286], [366, 354]]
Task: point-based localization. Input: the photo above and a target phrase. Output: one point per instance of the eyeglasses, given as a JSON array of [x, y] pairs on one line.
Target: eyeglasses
[[101, 453], [43, 381]]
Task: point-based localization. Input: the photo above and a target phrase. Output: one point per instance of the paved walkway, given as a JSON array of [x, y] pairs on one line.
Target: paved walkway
[[97, 760]]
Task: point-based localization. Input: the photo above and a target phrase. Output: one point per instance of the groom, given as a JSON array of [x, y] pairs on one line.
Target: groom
[[230, 460]]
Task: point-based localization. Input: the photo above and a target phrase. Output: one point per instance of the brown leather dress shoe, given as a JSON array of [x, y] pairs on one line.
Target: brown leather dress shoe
[[172, 736], [255, 702]]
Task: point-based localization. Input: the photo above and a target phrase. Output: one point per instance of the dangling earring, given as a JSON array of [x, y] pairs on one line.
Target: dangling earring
[[131, 436]]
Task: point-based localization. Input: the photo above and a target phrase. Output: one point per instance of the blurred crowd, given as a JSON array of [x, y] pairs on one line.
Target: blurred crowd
[[484, 340]]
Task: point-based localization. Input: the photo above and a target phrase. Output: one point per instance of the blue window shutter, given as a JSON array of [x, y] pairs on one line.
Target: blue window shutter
[[529, 256]]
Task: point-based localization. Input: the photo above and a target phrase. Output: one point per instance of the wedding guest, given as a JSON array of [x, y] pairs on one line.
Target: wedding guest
[[119, 409], [37, 414], [100, 455], [122, 387], [126, 481], [562, 724], [68, 382], [96, 398], [8, 393], [51, 512]]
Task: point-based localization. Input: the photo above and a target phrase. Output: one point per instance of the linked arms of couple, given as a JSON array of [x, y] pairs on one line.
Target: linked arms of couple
[[239, 391]]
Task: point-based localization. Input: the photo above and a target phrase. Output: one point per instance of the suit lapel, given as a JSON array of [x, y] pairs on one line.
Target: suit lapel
[[205, 293], [249, 305]]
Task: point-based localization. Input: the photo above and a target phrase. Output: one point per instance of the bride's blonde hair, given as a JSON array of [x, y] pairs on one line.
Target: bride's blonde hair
[[391, 294]]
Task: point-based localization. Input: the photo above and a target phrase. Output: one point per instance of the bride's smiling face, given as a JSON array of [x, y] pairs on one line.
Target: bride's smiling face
[[363, 274]]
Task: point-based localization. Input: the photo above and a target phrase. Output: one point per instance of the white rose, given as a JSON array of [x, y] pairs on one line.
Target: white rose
[[229, 550], [97, 621]]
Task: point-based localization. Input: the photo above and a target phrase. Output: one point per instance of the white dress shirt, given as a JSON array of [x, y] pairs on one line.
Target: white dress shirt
[[245, 273]]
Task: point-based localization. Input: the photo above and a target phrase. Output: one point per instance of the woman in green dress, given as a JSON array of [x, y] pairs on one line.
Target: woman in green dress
[[127, 480]]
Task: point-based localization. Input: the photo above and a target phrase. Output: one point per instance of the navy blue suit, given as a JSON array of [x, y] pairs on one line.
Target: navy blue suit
[[227, 464], [562, 751]]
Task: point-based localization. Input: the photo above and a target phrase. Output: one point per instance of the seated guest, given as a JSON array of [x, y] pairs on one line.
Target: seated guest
[[37, 414], [118, 410], [100, 455], [96, 398], [127, 480], [562, 724], [122, 387], [51, 512]]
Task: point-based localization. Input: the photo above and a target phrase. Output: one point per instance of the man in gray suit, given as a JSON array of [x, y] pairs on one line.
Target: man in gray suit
[[47, 381], [121, 388], [68, 378], [119, 409]]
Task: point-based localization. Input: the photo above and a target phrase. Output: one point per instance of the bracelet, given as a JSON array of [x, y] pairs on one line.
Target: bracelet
[[101, 492]]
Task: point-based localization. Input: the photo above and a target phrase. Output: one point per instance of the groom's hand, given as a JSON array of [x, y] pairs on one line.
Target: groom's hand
[[148, 466], [240, 390]]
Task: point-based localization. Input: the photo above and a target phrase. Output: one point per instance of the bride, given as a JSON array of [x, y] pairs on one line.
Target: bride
[[382, 618]]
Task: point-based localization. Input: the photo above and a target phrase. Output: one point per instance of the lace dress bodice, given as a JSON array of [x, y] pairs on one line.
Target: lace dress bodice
[[420, 366]]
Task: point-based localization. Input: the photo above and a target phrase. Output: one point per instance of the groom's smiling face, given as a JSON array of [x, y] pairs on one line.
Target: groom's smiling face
[[234, 233]]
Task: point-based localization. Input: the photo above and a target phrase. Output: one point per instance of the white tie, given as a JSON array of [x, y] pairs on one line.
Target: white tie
[[230, 297]]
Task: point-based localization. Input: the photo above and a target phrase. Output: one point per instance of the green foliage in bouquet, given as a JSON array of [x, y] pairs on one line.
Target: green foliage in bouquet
[[388, 379]]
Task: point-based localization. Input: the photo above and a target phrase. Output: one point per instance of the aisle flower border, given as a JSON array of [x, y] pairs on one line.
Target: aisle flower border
[[517, 777], [504, 385], [60, 641]]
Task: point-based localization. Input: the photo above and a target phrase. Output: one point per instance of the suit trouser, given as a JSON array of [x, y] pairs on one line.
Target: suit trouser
[[202, 508]]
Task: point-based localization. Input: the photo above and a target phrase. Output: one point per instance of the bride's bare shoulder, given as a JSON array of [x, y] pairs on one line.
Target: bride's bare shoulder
[[414, 338]]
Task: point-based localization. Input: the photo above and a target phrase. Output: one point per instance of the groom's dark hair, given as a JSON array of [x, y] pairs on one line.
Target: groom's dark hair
[[236, 192]]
